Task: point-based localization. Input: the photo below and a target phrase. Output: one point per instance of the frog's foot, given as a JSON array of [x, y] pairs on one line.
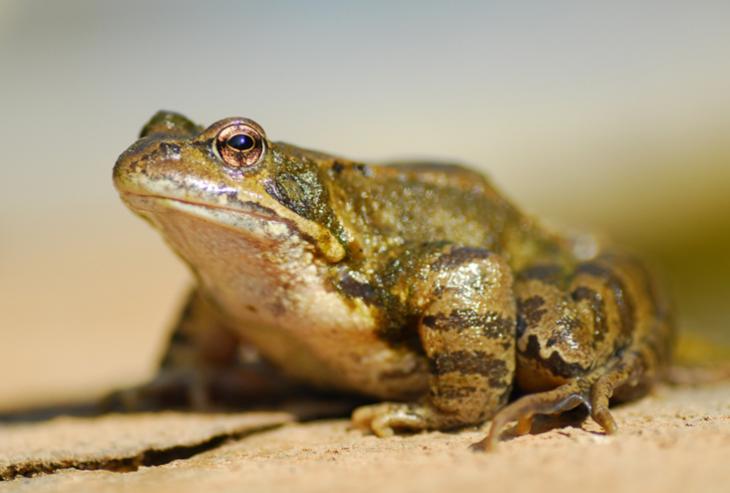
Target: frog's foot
[[561, 399], [623, 377], [388, 417]]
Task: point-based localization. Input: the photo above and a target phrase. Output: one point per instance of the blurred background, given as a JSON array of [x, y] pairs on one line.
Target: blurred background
[[614, 119]]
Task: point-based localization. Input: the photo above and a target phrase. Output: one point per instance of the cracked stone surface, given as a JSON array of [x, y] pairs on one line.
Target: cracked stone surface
[[676, 440], [120, 442]]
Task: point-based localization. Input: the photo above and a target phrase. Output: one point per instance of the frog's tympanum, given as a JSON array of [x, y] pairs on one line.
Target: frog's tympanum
[[416, 284]]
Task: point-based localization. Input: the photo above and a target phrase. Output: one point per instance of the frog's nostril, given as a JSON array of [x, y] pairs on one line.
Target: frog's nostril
[[146, 156], [169, 150]]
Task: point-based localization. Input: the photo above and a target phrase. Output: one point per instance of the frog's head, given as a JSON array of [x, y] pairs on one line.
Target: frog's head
[[226, 180]]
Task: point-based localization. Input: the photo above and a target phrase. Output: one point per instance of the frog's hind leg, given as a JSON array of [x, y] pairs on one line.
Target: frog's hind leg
[[585, 335]]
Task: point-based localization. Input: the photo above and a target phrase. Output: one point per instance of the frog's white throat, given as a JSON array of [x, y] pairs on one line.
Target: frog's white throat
[[237, 255]]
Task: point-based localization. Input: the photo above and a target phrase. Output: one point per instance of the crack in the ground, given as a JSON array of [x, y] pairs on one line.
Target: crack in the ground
[[146, 458]]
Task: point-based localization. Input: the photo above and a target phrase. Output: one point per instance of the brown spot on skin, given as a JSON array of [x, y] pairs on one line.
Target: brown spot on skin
[[277, 193], [170, 150], [355, 288], [555, 363], [492, 324], [531, 309], [497, 327], [622, 299], [470, 363], [597, 307], [461, 256], [251, 308]]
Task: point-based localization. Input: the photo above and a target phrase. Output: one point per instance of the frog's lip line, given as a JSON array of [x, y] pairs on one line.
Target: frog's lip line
[[255, 211], [250, 212]]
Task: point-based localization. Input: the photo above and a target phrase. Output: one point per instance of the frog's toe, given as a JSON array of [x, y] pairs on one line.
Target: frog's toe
[[387, 418], [625, 373], [563, 398], [604, 418]]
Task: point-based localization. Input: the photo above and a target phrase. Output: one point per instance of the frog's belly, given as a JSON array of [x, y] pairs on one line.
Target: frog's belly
[[341, 358], [314, 335]]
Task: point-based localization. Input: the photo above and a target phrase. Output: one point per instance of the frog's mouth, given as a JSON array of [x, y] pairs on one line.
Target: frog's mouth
[[255, 221], [245, 217], [150, 202], [249, 220]]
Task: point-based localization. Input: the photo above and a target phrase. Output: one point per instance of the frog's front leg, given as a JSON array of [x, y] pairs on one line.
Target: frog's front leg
[[465, 308], [204, 365]]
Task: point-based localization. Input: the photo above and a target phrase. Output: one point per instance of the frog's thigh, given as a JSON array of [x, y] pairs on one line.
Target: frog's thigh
[[467, 330]]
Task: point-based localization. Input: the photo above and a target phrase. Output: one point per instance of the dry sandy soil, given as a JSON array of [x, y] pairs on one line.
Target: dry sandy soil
[[675, 440]]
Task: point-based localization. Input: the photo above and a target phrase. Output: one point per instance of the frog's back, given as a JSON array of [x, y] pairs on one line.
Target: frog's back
[[386, 206]]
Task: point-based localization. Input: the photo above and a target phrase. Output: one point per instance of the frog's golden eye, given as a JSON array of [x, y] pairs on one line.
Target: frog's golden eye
[[240, 145]]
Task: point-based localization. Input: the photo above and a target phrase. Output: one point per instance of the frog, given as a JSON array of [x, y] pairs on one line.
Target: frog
[[416, 285]]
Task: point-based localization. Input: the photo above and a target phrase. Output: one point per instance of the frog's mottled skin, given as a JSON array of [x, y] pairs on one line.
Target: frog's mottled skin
[[416, 284]]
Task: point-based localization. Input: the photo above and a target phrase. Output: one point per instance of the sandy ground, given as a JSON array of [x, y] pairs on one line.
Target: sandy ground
[[675, 440]]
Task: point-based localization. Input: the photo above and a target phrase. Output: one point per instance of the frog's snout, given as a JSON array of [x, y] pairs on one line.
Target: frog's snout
[[149, 159]]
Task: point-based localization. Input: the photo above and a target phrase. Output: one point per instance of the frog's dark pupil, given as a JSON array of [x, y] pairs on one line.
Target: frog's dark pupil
[[241, 142]]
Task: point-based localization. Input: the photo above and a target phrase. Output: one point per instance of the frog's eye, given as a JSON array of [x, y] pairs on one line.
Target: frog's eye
[[240, 145]]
